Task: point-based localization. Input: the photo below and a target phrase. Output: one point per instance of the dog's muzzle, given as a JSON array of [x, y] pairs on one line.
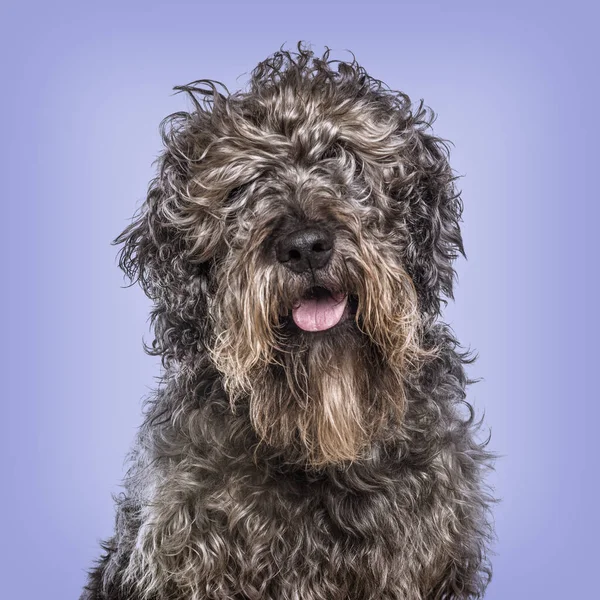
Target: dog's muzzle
[[307, 250]]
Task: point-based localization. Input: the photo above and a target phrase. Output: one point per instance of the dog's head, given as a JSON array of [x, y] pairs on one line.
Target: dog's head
[[301, 233]]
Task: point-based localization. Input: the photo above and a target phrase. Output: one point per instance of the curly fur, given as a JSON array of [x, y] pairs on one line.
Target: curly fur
[[280, 466]]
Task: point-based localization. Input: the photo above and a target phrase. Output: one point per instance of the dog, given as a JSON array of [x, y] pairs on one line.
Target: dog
[[310, 438]]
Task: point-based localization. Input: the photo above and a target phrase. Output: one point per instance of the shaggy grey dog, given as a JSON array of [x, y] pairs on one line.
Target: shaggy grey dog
[[310, 438]]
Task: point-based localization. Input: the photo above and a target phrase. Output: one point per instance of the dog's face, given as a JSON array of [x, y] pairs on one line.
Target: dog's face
[[301, 235]]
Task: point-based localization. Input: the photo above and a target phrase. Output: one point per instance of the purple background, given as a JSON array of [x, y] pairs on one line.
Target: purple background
[[84, 88]]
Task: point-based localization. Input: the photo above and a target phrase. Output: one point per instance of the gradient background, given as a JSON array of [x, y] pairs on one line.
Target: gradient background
[[84, 88]]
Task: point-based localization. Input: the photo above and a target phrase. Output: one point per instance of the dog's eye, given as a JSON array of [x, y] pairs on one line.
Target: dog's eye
[[235, 192], [330, 152], [333, 151]]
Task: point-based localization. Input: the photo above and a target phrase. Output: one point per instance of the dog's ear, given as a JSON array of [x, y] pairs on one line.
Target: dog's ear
[[156, 252], [431, 210]]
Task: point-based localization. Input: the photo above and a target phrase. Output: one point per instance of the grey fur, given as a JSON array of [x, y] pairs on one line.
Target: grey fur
[[281, 465]]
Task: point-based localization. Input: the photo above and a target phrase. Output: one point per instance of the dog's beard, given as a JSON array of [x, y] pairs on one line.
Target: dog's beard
[[321, 398]]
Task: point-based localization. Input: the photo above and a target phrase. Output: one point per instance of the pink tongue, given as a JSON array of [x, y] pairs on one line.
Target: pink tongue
[[319, 314]]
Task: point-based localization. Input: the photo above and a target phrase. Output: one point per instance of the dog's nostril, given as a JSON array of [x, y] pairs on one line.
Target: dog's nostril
[[305, 249]]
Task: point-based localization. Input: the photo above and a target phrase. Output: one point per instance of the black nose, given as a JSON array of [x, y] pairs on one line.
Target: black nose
[[305, 249]]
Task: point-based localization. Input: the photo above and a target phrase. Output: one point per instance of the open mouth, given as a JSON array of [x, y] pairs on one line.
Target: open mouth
[[320, 309]]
